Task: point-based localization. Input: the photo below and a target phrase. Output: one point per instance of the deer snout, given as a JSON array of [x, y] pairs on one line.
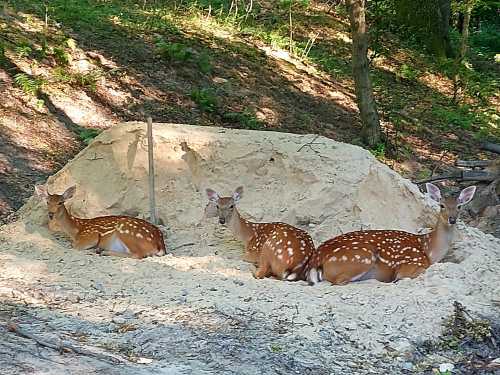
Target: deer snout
[[452, 220], [51, 215], [222, 220]]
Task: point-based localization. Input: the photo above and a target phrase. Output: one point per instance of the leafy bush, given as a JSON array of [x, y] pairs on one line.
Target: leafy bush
[[87, 135], [487, 38], [246, 119], [205, 99]]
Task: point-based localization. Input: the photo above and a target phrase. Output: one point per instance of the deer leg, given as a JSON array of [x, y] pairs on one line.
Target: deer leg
[[338, 274], [408, 271], [264, 270], [86, 242]]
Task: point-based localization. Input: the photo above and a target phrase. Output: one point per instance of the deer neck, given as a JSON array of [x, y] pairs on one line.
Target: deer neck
[[67, 222], [439, 241], [241, 228]]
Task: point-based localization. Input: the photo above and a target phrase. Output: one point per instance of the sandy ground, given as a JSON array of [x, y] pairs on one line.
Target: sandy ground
[[198, 310]]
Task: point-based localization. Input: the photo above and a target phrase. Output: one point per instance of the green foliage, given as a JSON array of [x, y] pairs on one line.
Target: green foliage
[[62, 57], [290, 3], [24, 50], [180, 53], [486, 40], [205, 99], [86, 135], [173, 51], [29, 85], [407, 72], [204, 64], [245, 119], [275, 348], [462, 328], [3, 58], [85, 80], [460, 116], [379, 151]]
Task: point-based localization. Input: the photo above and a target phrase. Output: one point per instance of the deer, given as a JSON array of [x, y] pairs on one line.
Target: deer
[[388, 255], [122, 236], [277, 249]]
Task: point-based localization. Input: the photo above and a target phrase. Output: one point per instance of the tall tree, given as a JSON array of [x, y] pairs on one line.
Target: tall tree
[[371, 131], [431, 20]]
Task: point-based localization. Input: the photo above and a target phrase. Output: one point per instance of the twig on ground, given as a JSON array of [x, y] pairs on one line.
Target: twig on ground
[[62, 347], [184, 245]]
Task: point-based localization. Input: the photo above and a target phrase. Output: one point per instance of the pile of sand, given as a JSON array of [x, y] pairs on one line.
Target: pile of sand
[[198, 309]]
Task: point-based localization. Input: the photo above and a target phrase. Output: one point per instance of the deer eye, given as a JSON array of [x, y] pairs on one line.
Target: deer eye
[[217, 206], [60, 203], [442, 205], [231, 206]]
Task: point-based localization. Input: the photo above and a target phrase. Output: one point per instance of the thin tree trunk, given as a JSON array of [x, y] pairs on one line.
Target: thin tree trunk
[[463, 51], [465, 32], [371, 131]]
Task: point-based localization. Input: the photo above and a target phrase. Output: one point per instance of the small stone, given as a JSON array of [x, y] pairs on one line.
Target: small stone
[[407, 366], [444, 367], [144, 361], [118, 320], [98, 286]]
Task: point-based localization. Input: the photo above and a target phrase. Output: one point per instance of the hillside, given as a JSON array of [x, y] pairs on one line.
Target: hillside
[[74, 67]]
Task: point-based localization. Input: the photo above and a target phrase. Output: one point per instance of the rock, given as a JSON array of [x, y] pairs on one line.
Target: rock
[[444, 367], [407, 365], [400, 345], [118, 320]]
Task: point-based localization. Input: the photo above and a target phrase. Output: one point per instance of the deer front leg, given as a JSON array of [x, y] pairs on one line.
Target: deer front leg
[[87, 241], [252, 252]]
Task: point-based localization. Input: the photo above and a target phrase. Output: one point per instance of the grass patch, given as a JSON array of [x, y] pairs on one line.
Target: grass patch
[[245, 119]]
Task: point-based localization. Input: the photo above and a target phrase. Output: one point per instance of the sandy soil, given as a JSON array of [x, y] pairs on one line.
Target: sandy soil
[[198, 310]]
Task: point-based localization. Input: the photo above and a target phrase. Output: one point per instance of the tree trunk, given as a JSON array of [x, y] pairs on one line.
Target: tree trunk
[[371, 131], [465, 32], [444, 13]]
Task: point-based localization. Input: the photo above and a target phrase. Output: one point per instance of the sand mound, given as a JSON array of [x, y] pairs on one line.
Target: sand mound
[[197, 309]]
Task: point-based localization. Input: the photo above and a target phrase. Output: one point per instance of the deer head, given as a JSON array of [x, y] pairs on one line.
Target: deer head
[[55, 202], [450, 207], [225, 206]]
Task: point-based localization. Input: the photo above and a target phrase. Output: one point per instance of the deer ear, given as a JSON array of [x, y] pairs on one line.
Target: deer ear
[[212, 195], [68, 194], [466, 195], [238, 193], [433, 191], [41, 191]]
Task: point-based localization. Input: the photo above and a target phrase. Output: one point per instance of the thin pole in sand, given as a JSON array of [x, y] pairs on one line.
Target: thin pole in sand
[[152, 201]]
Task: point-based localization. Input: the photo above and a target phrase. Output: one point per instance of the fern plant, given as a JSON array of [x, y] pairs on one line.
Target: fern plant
[[29, 85]]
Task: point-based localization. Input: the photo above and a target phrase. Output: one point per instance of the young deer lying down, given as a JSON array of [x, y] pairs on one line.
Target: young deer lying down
[[388, 255], [122, 236], [277, 249]]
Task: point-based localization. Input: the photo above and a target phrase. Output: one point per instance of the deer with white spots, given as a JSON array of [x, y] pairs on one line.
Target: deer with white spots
[[122, 236], [388, 255], [278, 249]]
